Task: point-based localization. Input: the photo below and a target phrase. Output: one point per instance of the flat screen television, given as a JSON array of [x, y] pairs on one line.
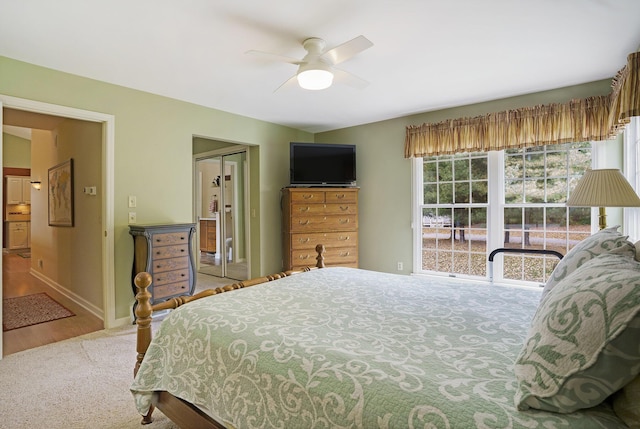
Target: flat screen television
[[321, 164]]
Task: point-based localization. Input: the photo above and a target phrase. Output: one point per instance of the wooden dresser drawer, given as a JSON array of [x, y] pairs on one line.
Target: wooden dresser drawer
[[332, 256], [162, 265], [170, 251], [170, 290], [308, 195], [329, 239], [301, 209], [340, 196], [170, 277], [324, 223], [170, 238]]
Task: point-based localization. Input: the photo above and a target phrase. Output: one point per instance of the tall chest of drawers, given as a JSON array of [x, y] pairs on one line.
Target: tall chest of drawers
[[314, 216], [166, 253]]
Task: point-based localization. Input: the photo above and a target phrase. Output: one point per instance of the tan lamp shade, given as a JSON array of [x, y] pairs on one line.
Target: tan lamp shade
[[603, 188]]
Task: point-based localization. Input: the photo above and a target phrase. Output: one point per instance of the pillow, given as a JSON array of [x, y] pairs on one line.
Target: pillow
[[626, 403], [583, 342], [597, 244]]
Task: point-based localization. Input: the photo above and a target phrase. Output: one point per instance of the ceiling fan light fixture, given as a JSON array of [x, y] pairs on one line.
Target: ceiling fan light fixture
[[315, 76]]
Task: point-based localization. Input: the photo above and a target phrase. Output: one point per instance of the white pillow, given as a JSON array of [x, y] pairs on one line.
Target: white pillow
[[599, 243]]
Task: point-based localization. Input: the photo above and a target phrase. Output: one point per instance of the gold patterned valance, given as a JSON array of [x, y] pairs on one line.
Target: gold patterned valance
[[592, 118]]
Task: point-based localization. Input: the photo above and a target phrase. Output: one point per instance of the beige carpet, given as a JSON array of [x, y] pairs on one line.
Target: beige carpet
[[30, 310], [78, 383]]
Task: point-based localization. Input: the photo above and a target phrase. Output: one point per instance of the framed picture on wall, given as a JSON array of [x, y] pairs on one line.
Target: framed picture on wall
[[60, 187]]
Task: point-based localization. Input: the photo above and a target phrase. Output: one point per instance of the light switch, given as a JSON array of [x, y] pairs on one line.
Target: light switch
[[132, 217], [132, 201]]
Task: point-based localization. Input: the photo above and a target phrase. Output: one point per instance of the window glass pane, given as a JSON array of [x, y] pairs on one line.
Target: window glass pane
[[534, 166], [462, 192], [557, 190], [479, 168], [534, 191], [479, 217], [429, 172], [444, 171], [513, 191], [514, 167], [430, 195], [446, 193], [461, 167], [480, 192]]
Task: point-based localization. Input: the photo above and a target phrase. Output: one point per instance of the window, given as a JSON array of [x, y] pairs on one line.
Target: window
[[471, 204]]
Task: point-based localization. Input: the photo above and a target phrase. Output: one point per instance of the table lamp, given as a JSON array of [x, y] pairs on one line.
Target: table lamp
[[603, 188]]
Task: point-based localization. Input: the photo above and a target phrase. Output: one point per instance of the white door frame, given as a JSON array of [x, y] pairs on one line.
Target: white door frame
[[108, 144]]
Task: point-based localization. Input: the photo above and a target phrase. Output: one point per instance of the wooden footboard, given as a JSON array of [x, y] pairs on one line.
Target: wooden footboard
[[172, 407]]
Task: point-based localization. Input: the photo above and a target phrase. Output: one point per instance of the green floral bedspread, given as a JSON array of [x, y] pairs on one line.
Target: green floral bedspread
[[346, 348]]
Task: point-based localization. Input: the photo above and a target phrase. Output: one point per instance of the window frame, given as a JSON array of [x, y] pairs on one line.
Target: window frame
[[495, 217]]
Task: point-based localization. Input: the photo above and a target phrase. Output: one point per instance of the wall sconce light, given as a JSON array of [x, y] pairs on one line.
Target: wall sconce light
[[36, 184]]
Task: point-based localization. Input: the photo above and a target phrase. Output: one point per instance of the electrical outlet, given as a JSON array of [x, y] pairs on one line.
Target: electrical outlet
[[132, 201], [132, 217], [400, 266]]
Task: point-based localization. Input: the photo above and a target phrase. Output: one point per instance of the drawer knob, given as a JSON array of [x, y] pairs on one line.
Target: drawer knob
[[340, 196], [345, 253], [304, 257], [343, 221], [345, 238], [304, 240], [305, 209], [306, 222], [344, 209], [307, 196]]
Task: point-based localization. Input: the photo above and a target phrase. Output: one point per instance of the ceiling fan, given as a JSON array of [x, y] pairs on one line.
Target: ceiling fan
[[317, 69]]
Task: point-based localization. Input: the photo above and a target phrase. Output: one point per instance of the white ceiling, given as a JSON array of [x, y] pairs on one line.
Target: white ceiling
[[427, 54]]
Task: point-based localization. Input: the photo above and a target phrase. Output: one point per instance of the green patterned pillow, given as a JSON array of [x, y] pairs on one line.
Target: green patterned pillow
[[597, 244], [583, 342]]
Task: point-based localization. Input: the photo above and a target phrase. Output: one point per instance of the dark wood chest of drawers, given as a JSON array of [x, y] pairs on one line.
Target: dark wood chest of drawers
[[165, 252], [314, 216]]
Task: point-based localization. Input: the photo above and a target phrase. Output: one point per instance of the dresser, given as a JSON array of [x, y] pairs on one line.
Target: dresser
[[166, 253], [208, 235], [314, 216]]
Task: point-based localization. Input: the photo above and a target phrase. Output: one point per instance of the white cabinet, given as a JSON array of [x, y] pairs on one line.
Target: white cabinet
[[18, 190], [18, 235]]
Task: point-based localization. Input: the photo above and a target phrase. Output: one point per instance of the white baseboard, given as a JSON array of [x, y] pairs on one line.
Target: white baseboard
[[98, 312]]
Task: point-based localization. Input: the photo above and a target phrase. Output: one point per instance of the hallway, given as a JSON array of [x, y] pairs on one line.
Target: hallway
[[16, 281]]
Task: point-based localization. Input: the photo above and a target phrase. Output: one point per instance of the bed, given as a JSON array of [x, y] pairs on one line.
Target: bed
[[343, 347]]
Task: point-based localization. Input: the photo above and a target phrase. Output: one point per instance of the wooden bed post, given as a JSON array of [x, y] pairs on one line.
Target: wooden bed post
[[320, 257], [143, 320]]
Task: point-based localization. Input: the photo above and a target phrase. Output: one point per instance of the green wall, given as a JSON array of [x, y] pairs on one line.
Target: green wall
[[16, 151], [384, 175], [153, 157]]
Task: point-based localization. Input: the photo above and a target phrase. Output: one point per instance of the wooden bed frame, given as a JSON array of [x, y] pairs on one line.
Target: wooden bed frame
[[183, 413]]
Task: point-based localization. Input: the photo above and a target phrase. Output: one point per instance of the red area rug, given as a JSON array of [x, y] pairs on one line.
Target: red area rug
[[31, 310]]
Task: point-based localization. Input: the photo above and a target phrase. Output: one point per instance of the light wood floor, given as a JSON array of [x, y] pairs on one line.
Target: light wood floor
[[16, 281]]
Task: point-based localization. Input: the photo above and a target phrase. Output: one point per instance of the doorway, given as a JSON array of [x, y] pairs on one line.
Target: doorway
[[221, 201], [105, 310]]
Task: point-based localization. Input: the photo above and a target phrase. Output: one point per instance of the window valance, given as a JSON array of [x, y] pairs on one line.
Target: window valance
[[592, 118]]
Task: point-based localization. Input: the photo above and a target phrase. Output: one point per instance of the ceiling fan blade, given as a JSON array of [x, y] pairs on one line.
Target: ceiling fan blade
[[347, 50], [287, 82], [349, 79], [275, 57]]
